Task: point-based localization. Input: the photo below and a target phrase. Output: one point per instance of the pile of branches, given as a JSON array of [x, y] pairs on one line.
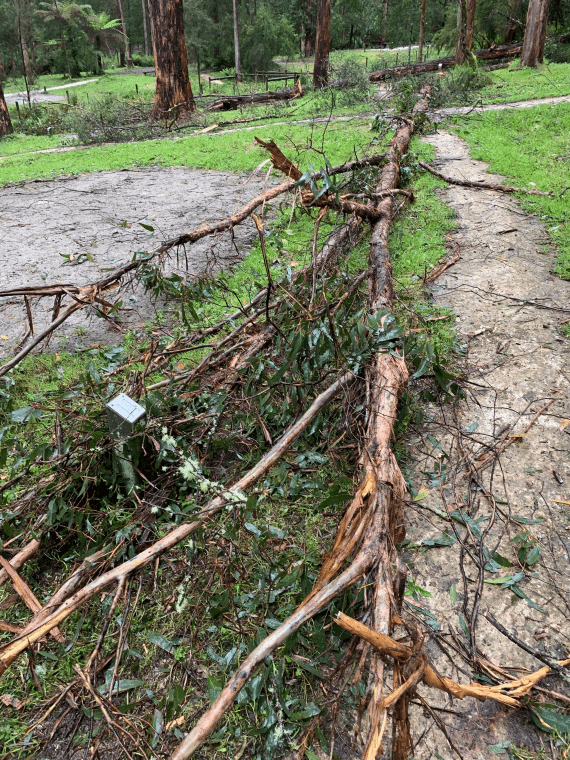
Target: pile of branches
[[317, 354]]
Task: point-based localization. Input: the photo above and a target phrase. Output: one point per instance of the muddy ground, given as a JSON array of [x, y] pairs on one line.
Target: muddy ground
[[99, 216], [509, 308]]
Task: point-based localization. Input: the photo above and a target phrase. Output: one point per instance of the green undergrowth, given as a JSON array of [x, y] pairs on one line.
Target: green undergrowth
[[531, 148]]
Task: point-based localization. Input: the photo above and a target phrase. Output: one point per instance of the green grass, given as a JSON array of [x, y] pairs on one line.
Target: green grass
[[234, 152], [514, 84], [530, 146], [17, 143]]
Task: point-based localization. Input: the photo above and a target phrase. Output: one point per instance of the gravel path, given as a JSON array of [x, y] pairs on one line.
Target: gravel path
[[516, 361], [43, 96]]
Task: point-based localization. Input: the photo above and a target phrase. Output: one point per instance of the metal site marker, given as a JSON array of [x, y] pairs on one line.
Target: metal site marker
[[122, 415]]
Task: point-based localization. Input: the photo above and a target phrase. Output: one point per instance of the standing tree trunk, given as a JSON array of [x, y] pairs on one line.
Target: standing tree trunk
[[145, 30], [170, 58], [236, 43], [27, 66], [322, 44], [384, 24], [422, 29], [465, 23], [5, 123], [2, 69], [535, 33], [127, 43], [309, 30]]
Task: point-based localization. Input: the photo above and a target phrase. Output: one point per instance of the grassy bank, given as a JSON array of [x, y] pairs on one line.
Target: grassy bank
[[531, 148]]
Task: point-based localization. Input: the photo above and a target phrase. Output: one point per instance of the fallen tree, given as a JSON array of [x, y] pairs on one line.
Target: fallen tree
[[233, 102], [487, 54]]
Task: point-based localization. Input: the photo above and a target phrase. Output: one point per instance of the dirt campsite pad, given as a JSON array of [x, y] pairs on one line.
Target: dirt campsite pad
[[76, 230], [491, 514]]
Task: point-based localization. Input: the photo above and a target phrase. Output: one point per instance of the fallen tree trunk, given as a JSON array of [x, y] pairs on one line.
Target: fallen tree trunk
[[373, 523], [487, 54], [233, 102]]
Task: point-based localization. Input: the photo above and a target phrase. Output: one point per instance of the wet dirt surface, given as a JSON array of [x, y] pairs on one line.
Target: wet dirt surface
[[95, 219], [516, 413]]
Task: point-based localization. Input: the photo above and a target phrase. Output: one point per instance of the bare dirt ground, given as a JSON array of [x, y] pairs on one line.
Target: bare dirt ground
[[508, 308], [99, 215]]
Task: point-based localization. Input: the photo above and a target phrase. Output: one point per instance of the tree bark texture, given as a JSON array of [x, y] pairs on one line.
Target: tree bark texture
[[2, 69], [465, 22], [173, 87], [322, 44], [5, 123], [236, 42], [535, 33]]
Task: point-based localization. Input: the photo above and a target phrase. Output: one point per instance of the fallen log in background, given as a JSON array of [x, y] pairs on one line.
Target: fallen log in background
[[487, 54], [233, 102]]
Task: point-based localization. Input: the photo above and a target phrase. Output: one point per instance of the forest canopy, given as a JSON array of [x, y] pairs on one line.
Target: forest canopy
[[68, 37]]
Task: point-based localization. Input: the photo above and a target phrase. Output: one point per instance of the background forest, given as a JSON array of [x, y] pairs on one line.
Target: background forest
[[67, 38]]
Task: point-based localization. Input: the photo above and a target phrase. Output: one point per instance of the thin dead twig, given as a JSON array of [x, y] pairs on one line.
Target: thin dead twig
[[479, 185]]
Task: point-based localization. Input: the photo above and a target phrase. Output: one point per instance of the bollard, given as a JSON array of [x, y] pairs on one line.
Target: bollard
[[137, 88], [123, 414]]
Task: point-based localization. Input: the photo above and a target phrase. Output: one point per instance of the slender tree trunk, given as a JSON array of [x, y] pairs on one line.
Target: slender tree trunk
[[309, 30], [25, 55], [384, 24], [127, 43], [5, 123], [197, 53], [422, 29], [145, 30], [535, 33], [2, 69], [322, 44], [170, 58], [236, 42]]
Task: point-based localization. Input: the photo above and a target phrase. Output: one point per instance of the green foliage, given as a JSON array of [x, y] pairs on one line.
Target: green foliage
[[460, 85], [267, 36]]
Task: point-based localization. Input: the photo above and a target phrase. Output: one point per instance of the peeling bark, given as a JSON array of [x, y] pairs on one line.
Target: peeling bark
[[535, 33]]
